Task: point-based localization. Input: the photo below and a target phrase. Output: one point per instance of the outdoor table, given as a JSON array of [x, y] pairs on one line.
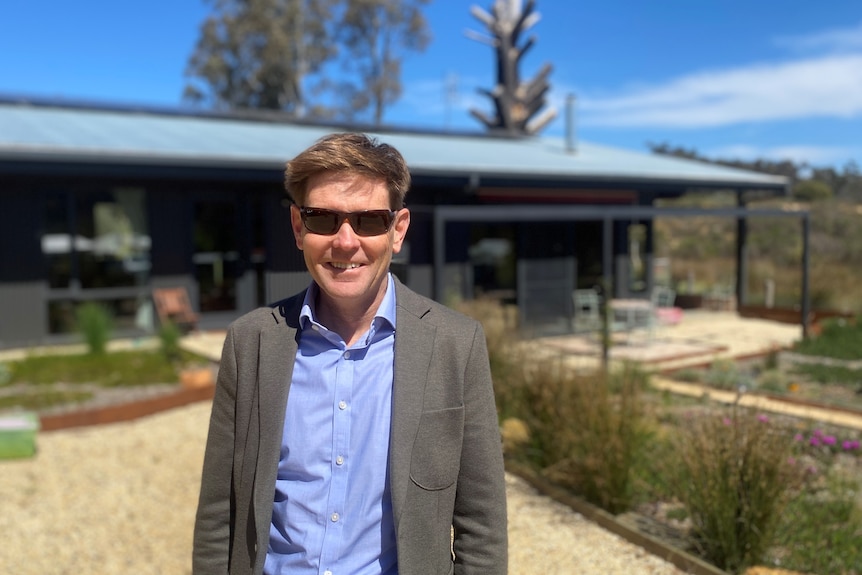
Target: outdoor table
[[632, 313]]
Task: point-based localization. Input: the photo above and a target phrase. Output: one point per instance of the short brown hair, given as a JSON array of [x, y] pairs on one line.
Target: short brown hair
[[349, 153]]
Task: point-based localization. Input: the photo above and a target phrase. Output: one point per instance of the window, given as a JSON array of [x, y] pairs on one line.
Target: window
[[96, 245]]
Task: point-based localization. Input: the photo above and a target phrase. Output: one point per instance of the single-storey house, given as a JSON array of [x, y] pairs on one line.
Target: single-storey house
[[106, 203]]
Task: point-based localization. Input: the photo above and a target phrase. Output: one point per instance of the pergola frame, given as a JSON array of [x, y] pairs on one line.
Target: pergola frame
[[608, 215]]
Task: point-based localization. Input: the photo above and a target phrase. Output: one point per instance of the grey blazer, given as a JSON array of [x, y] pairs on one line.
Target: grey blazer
[[446, 463]]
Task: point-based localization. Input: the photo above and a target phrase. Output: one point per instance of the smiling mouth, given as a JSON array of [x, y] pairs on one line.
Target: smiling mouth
[[344, 265]]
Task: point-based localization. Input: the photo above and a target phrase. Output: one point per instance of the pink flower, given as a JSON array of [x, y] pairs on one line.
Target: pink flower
[[762, 418], [829, 440], [850, 445]]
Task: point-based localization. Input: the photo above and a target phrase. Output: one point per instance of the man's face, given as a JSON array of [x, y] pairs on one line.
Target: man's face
[[349, 269]]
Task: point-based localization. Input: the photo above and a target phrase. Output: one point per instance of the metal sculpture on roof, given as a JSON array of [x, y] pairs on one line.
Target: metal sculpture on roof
[[516, 103]]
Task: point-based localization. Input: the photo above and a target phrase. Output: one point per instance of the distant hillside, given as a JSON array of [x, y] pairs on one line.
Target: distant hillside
[[702, 252]]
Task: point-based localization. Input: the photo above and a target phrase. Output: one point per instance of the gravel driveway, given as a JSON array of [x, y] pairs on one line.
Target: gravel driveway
[[121, 498]]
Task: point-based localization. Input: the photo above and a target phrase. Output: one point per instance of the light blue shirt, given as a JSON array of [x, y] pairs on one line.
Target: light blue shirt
[[332, 512]]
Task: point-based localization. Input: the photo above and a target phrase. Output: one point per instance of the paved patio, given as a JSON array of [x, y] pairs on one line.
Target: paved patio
[[700, 338]]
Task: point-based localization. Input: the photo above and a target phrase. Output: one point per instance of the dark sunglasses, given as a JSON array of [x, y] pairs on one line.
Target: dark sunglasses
[[365, 223]]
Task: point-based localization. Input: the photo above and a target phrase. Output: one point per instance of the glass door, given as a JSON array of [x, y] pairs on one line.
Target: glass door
[[216, 254]]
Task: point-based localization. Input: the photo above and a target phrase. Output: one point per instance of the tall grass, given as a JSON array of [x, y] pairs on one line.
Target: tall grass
[[584, 430], [840, 339], [734, 474], [749, 495], [95, 323], [588, 430], [169, 340]]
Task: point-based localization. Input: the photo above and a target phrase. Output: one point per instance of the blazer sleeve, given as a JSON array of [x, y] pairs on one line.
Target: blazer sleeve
[[479, 521], [216, 505]]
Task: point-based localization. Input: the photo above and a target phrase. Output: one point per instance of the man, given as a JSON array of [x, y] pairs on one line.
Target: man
[[353, 428]]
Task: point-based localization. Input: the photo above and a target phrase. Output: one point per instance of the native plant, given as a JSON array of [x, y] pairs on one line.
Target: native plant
[[169, 340], [505, 355], [734, 474], [590, 430], [95, 323]]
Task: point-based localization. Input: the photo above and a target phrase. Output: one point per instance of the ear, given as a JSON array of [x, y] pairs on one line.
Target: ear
[[399, 229], [296, 224]]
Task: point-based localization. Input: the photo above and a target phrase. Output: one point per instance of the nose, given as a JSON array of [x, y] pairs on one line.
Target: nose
[[345, 237]]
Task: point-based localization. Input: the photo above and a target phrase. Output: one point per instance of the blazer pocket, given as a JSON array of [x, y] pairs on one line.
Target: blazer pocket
[[436, 457]]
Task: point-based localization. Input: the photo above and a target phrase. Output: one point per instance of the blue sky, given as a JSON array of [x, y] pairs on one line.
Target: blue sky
[[779, 79]]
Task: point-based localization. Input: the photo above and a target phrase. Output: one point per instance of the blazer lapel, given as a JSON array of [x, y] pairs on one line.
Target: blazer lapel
[[414, 344], [278, 345]]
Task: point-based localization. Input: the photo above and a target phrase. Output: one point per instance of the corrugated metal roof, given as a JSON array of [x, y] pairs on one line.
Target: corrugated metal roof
[[100, 135]]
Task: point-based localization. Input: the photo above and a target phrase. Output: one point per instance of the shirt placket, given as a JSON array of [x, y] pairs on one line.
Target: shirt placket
[[341, 422]]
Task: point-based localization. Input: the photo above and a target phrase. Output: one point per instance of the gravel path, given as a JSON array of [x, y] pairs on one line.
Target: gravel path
[[121, 498]]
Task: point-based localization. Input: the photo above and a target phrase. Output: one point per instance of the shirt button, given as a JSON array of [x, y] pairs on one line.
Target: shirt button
[[346, 355], [315, 327], [334, 517], [327, 573], [339, 460], [342, 405]]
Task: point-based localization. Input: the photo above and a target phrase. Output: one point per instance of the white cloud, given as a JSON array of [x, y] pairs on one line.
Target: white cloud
[[829, 86], [837, 39]]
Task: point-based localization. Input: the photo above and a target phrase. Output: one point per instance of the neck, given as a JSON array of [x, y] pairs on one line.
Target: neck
[[348, 319]]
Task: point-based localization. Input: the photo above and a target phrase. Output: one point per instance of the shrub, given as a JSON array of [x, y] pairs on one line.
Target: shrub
[[773, 381], [734, 476], [94, 322], [840, 339], [819, 531], [587, 430], [725, 374], [504, 354], [169, 340]]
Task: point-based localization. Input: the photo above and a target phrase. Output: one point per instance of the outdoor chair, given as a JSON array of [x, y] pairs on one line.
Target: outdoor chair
[[664, 310], [587, 316], [173, 306]]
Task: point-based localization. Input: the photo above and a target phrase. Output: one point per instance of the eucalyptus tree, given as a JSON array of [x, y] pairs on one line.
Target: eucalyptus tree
[[260, 54], [376, 35]]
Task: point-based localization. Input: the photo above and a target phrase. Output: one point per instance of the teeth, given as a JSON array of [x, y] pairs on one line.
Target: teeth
[[344, 266]]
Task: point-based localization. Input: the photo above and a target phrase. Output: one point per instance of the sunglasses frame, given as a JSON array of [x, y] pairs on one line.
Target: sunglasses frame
[[354, 218]]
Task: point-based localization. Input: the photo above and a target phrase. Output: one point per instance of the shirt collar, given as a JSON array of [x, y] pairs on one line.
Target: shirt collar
[[385, 312]]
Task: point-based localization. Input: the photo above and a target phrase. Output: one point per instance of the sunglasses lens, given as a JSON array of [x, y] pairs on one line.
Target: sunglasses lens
[[320, 221], [327, 222], [370, 223]]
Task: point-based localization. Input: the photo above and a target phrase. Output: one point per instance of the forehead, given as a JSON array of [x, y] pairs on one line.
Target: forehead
[[344, 188]]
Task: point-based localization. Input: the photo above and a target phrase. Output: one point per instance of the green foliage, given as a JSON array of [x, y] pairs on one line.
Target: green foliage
[[753, 488], [830, 374], [840, 339], [43, 398], [734, 477], [5, 374], [95, 323], [819, 531], [110, 370], [725, 374], [812, 191], [587, 430], [504, 354], [259, 55], [772, 381], [274, 54], [375, 34], [169, 340]]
